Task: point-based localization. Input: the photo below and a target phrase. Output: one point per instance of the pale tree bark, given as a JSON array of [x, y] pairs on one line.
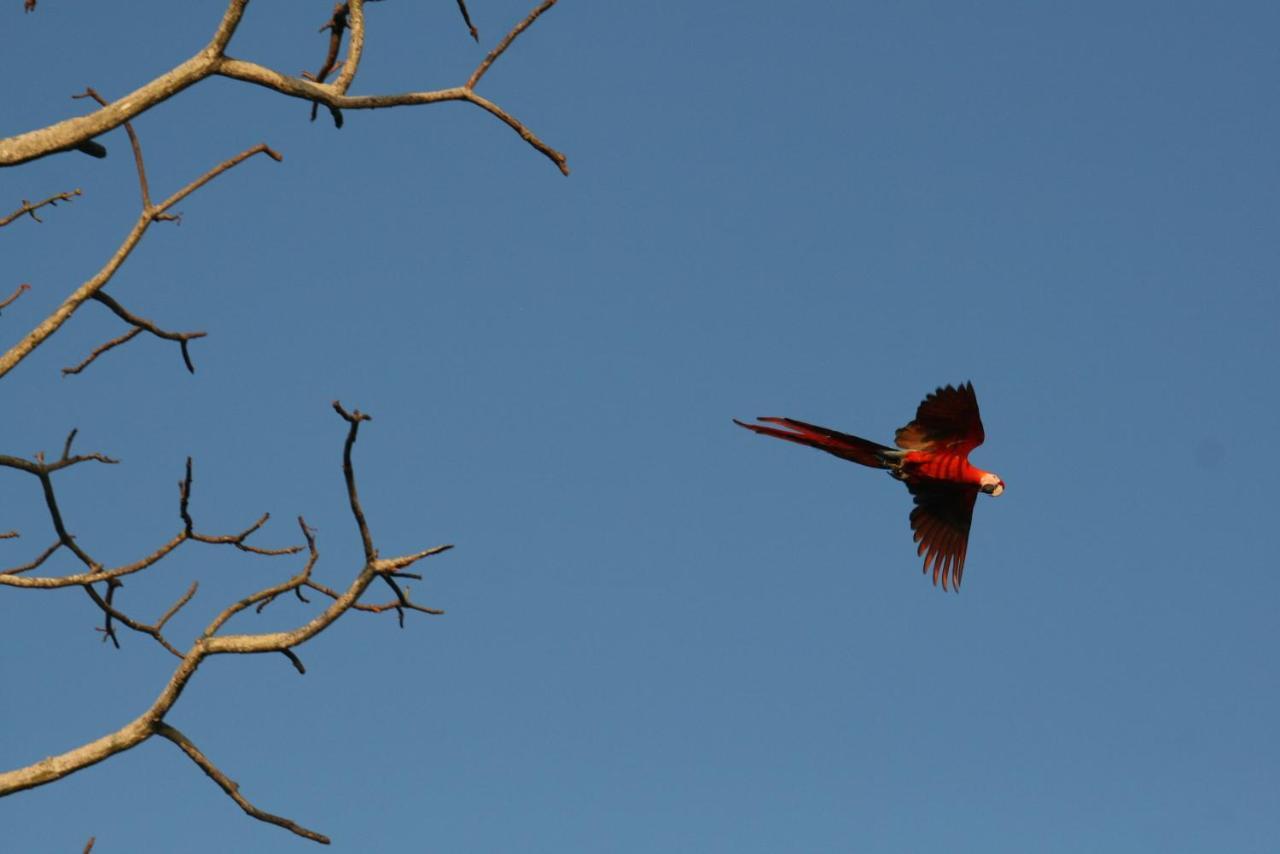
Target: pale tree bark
[[101, 582]]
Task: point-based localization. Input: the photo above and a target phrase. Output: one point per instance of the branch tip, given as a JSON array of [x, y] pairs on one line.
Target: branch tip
[[231, 787]]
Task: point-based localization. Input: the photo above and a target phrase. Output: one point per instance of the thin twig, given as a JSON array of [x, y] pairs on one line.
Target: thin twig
[[265, 597], [140, 324], [556, 157], [30, 208], [231, 787], [35, 564], [177, 606], [72, 303], [21, 289], [336, 24], [294, 660], [66, 446], [90, 92], [110, 613], [506, 42], [466, 17], [238, 540], [260, 148], [348, 472], [100, 349]]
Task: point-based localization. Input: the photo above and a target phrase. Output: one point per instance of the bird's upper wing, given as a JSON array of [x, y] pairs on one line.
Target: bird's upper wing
[[945, 420], [941, 521]]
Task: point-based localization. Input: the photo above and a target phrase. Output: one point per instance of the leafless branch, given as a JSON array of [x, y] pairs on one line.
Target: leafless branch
[[336, 24], [212, 60], [35, 564], [97, 572], [66, 446], [177, 606], [100, 349], [140, 324], [506, 42], [89, 92], [211, 641], [19, 291], [295, 661], [105, 583], [348, 472], [237, 540], [86, 291], [466, 18], [30, 208], [231, 787]]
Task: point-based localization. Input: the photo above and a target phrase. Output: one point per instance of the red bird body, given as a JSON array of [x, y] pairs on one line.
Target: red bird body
[[932, 459]]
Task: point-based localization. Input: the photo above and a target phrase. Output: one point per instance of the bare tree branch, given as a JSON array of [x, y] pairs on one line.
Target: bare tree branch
[[30, 208], [231, 787], [96, 571], [123, 338], [133, 143], [506, 42], [466, 19], [150, 214], [210, 642], [212, 60], [71, 562], [19, 291], [35, 564], [348, 472], [140, 324]]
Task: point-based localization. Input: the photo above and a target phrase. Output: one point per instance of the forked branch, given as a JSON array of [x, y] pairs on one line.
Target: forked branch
[[211, 641], [214, 61], [139, 324], [150, 213]]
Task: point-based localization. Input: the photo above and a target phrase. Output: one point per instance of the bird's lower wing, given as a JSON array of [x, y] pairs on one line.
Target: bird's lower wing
[[941, 520]]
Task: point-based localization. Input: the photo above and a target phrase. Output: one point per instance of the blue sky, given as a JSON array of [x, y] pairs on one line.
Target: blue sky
[[663, 633]]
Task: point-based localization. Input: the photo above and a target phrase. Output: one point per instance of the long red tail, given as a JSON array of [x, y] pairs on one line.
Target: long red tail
[[842, 445]]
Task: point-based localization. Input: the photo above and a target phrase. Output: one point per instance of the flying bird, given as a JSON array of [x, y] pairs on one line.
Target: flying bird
[[932, 459]]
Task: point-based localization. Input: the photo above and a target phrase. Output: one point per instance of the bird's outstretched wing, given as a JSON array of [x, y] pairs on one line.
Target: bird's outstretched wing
[[945, 420], [941, 521]]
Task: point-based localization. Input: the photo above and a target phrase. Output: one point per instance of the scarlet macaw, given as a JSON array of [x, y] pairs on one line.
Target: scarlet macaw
[[934, 464]]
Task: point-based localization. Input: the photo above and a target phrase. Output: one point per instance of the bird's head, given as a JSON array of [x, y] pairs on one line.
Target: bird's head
[[992, 484]]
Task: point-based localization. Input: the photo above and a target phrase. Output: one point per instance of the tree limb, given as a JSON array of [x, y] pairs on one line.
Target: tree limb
[[213, 60], [150, 214], [231, 787], [210, 642], [30, 208], [140, 324]]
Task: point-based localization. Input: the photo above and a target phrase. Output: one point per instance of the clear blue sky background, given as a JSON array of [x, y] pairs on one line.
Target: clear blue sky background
[[663, 633]]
